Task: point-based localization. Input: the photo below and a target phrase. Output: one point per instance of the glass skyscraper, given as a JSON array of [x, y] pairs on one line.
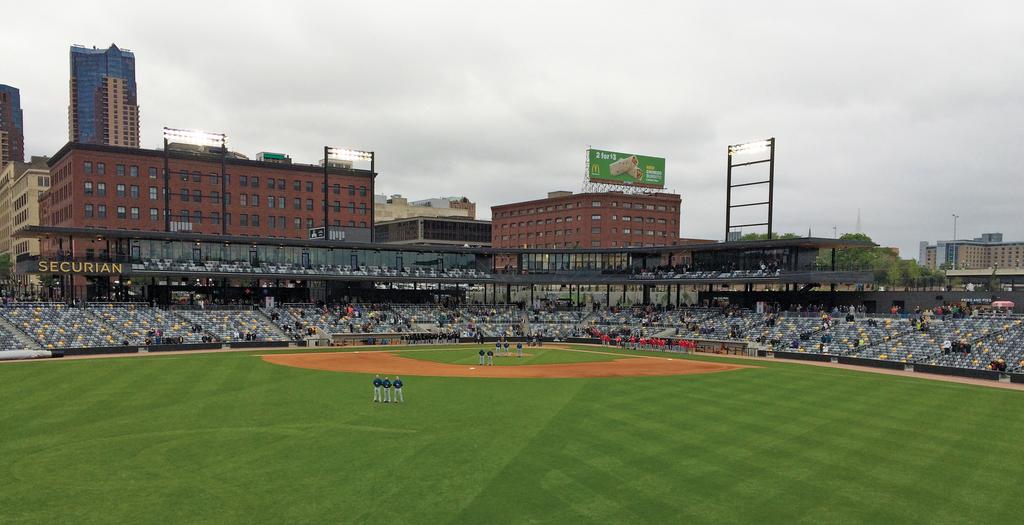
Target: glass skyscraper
[[12, 126], [104, 101]]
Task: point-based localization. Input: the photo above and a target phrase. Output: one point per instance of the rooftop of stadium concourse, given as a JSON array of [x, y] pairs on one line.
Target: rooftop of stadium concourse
[[807, 243], [178, 153]]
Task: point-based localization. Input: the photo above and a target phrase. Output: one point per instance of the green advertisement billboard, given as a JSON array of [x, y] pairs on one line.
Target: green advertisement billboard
[[628, 169]]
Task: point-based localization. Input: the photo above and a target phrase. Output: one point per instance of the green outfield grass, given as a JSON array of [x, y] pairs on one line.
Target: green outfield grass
[[227, 438], [469, 355]]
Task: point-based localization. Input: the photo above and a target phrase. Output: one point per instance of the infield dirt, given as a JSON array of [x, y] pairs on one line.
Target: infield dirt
[[383, 362]]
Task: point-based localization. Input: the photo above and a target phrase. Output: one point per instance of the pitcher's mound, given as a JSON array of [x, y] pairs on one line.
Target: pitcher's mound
[[391, 364]]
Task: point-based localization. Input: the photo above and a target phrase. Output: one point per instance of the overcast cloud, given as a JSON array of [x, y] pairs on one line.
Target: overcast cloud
[[909, 111]]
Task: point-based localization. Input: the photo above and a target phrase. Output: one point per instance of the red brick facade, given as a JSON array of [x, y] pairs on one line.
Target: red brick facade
[[588, 220], [123, 188]]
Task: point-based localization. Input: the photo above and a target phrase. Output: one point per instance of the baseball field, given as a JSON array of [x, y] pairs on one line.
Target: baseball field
[[250, 437]]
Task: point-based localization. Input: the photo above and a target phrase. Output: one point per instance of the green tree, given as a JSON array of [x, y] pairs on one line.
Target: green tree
[[764, 236]]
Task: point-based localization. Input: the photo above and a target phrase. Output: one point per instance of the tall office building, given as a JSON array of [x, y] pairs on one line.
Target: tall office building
[[104, 105], [12, 129]]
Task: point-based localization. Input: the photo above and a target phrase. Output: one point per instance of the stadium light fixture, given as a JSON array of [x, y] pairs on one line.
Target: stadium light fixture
[[349, 154], [195, 136], [198, 138], [750, 147]]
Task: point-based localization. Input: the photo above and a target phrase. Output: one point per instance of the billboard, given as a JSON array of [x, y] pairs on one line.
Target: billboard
[[627, 169]]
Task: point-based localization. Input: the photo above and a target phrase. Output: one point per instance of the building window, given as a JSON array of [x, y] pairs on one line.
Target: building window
[[152, 173], [101, 189], [243, 200], [296, 203], [243, 220], [362, 208], [121, 212], [88, 188], [101, 211], [135, 213], [215, 217], [271, 222], [133, 191], [298, 223], [254, 181], [154, 215], [280, 203], [337, 189], [87, 167], [296, 185], [270, 183], [337, 206], [595, 204], [362, 224], [120, 190], [197, 177], [152, 193], [362, 191], [101, 168], [309, 204], [352, 208], [351, 189], [595, 229], [309, 223], [243, 180], [197, 195], [184, 175], [309, 186], [197, 217], [215, 197], [133, 171], [88, 211], [184, 195], [255, 219], [254, 200], [595, 217]]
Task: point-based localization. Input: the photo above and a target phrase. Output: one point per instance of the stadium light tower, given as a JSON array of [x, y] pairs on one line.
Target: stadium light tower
[[750, 148], [352, 155], [198, 138]]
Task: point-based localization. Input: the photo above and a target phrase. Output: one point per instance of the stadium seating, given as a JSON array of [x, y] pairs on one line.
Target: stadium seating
[[141, 323], [55, 325]]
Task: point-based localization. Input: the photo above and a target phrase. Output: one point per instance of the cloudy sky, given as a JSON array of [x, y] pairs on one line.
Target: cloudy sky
[[909, 111]]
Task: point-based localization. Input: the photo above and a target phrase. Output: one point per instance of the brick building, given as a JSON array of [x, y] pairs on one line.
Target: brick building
[[21, 183], [588, 220], [112, 187]]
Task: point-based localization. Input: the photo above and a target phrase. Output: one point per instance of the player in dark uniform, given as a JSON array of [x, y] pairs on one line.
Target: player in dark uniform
[[482, 353], [387, 389], [490, 357], [376, 388], [399, 398], [519, 349], [506, 347]]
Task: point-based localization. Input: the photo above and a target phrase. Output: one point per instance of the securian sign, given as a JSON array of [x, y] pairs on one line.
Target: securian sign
[[80, 267]]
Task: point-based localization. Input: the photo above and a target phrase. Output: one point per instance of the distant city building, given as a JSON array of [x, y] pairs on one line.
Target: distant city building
[[21, 184], [434, 230], [104, 105], [455, 203], [12, 126], [588, 220], [398, 207], [987, 251]]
